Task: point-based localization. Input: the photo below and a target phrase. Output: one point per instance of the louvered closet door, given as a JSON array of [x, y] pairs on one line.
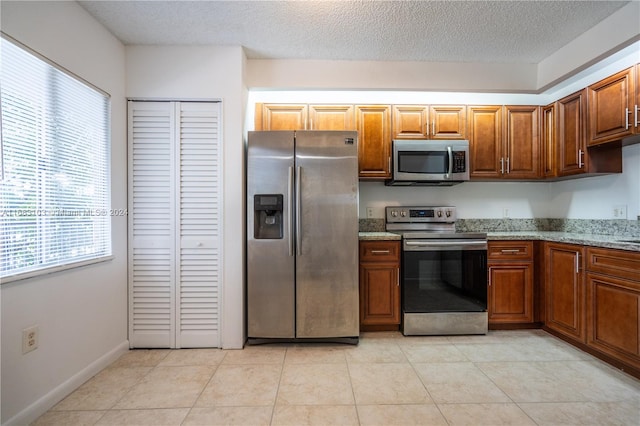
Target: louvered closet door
[[199, 256], [174, 187], [152, 253]]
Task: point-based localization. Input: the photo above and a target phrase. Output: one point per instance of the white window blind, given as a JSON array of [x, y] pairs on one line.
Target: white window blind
[[54, 195]]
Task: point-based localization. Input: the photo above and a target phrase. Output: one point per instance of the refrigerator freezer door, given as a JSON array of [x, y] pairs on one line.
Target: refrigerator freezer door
[[327, 244], [270, 262]]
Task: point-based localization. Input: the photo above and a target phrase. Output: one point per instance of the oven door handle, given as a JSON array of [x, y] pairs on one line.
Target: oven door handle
[[445, 245]]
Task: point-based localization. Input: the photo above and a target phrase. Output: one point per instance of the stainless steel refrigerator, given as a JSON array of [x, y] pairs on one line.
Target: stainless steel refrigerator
[[302, 235]]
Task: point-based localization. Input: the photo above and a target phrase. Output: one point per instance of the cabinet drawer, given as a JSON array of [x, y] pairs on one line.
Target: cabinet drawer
[[619, 263], [510, 250], [379, 251]]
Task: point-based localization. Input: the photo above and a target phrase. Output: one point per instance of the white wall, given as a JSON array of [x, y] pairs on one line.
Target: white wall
[[207, 72], [82, 313], [595, 197]]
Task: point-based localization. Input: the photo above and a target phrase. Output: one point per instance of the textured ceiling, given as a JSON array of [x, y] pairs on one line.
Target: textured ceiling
[[434, 31]]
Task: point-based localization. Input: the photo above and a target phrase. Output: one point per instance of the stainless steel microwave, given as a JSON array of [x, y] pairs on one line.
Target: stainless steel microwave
[[430, 162]]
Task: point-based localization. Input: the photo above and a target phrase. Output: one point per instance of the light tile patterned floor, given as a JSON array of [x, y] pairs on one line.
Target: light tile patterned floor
[[505, 378]]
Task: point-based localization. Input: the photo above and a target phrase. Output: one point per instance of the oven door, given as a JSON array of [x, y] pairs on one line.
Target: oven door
[[444, 275]]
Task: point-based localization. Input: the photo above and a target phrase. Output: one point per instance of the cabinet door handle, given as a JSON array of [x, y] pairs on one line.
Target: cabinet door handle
[[510, 251], [389, 164], [635, 118], [501, 165], [426, 128], [577, 263], [508, 165], [398, 276], [380, 251], [433, 128], [580, 157], [626, 118]]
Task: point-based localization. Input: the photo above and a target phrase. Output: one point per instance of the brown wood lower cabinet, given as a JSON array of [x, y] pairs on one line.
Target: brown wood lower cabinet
[[510, 293], [564, 290], [613, 303], [379, 285]]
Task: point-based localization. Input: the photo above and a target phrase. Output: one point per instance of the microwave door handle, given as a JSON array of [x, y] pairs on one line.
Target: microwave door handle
[[450, 169]]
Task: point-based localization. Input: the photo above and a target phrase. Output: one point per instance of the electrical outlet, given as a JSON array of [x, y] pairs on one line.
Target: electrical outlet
[[620, 211], [369, 212], [30, 337]]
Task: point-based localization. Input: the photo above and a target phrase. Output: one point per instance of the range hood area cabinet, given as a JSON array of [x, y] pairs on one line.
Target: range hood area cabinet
[[504, 142]]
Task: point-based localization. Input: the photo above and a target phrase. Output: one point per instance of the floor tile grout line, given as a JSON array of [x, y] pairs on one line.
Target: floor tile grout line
[[275, 398], [353, 391], [195, 401]]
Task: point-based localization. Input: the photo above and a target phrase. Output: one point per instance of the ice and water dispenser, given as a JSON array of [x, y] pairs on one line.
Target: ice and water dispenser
[[267, 217]]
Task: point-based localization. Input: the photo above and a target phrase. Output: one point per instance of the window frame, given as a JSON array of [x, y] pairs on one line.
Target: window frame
[[40, 268]]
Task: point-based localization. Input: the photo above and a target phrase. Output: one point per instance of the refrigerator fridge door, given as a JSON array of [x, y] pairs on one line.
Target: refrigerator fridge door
[[327, 234], [270, 244]]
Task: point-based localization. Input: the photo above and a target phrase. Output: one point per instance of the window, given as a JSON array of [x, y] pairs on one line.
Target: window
[[54, 193]]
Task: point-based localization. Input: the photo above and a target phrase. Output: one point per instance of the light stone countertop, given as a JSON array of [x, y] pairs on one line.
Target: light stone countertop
[[594, 240]]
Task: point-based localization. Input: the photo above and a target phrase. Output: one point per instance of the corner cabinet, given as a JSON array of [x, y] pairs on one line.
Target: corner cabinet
[[565, 290], [379, 285], [511, 276], [573, 157], [373, 123]]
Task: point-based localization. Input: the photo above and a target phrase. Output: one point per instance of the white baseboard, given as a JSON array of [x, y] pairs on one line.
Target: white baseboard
[[57, 394]]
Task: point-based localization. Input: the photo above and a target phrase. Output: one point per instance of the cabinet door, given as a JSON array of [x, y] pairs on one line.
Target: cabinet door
[[448, 122], [521, 128], [485, 141], [510, 292], [571, 134], [564, 288], [611, 107], [410, 122], [379, 293], [613, 320], [282, 117], [373, 123], [549, 141], [331, 117]]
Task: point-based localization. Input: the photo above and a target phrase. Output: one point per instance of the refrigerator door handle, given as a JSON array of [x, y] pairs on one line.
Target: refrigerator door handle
[[290, 210], [298, 210]]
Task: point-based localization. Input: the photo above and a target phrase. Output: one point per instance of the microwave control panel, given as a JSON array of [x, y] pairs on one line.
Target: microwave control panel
[[459, 162]]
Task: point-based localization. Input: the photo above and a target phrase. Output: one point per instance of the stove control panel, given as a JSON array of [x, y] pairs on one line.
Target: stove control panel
[[420, 214]]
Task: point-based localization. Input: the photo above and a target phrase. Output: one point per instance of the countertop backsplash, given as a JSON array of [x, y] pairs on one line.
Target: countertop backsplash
[[617, 227]]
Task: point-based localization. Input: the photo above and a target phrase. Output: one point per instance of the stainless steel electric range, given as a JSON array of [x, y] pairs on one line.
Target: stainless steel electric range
[[443, 274]]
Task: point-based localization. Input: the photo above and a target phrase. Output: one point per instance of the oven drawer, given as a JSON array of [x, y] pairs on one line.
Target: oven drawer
[[379, 251], [510, 250]]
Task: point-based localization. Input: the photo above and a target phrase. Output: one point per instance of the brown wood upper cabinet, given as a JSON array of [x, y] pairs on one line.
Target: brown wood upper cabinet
[[304, 117], [504, 142], [572, 155], [613, 108], [373, 123], [549, 140], [429, 122]]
